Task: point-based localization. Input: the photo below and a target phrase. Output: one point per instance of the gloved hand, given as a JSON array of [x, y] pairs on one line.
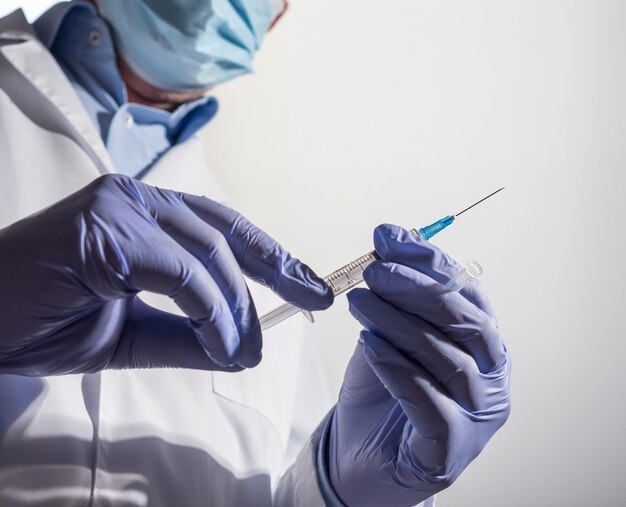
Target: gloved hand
[[69, 276], [428, 384]]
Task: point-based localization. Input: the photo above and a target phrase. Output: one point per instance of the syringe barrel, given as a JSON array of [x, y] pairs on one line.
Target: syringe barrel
[[339, 281], [349, 275]]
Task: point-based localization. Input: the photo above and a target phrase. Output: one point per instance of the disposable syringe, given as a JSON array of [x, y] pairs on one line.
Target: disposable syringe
[[350, 275]]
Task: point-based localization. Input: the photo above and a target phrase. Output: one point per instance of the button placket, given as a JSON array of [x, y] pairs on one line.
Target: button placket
[[129, 121], [95, 38]]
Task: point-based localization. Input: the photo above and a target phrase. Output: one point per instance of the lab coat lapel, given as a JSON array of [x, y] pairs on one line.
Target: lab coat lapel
[[38, 68]]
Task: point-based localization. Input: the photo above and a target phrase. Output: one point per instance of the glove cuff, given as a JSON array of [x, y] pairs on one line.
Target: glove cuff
[[331, 499]]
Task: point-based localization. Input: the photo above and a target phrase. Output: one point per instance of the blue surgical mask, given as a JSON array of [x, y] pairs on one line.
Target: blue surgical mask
[[188, 45]]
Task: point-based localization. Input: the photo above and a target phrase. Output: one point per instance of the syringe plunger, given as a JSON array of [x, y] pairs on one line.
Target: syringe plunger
[[463, 278]]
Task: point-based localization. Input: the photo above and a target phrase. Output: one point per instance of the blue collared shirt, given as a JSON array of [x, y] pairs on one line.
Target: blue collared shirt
[[135, 136]]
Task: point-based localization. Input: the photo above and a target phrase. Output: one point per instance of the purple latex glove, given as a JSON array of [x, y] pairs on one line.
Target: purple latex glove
[[428, 384], [70, 274]]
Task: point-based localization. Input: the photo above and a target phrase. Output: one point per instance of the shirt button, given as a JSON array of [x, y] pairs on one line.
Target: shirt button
[[128, 119], [95, 38]]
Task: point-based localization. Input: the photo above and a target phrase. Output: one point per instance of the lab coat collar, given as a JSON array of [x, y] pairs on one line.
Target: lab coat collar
[[15, 24], [35, 63]]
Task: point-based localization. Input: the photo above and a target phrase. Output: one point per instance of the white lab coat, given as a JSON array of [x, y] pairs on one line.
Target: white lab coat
[[132, 438]]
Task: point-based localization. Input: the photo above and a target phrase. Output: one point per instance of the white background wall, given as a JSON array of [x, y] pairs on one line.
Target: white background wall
[[364, 112]]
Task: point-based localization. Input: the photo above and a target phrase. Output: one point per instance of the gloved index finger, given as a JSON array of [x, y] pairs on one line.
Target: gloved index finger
[[395, 244], [209, 246], [156, 263], [262, 258]]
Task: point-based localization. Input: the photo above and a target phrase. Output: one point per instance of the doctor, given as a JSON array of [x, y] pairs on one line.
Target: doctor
[[107, 399]]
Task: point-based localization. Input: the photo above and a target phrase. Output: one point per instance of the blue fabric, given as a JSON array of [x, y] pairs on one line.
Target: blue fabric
[[182, 45], [323, 480], [135, 136]]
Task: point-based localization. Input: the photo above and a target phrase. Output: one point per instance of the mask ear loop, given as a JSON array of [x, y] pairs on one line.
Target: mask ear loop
[[280, 15]]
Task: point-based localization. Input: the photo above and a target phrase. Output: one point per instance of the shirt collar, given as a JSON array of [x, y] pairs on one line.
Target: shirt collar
[[48, 24]]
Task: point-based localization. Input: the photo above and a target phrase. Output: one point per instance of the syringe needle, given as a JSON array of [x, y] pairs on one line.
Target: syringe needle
[[430, 230], [476, 203]]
